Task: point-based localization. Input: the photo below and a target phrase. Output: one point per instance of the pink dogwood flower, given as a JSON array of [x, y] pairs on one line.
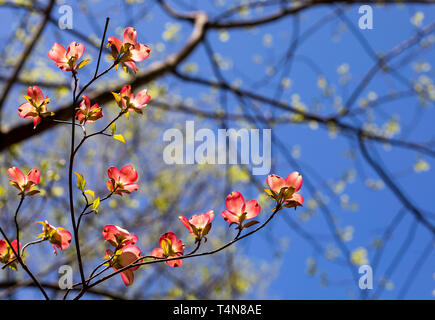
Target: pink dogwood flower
[[118, 237], [286, 189], [128, 51], [59, 237], [170, 247], [238, 211], [129, 102], [86, 113], [123, 257], [199, 225], [36, 106], [7, 254], [24, 182], [122, 181], [66, 59]]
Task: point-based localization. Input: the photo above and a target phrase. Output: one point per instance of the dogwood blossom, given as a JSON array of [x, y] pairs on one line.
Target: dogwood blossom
[[199, 225], [24, 182], [170, 247], [128, 51], [286, 189], [238, 211], [36, 106], [118, 237], [123, 257], [86, 113], [59, 237], [122, 181], [66, 59]]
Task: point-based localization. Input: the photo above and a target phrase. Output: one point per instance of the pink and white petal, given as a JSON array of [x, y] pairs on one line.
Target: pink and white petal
[[110, 233], [126, 90], [131, 187], [86, 103], [36, 94], [57, 53], [131, 65], [34, 175], [157, 252], [252, 209], [235, 202], [275, 183], [36, 121], [298, 198], [114, 173], [295, 180], [186, 223], [130, 36], [75, 50], [210, 213], [142, 98], [140, 52], [26, 111], [17, 175], [128, 174], [174, 263], [127, 276], [65, 238], [115, 42], [229, 217]]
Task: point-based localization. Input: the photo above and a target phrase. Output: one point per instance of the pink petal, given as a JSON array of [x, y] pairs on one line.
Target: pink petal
[[294, 179], [25, 109], [174, 263], [57, 53], [116, 42], [86, 103], [36, 94], [131, 187], [75, 50], [17, 175], [298, 198], [128, 174], [252, 209], [110, 232], [130, 35], [229, 217], [185, 222], [113, 173], [65, 238], [142, 98], [34, 175], [140, 52], [127, 276], [36, 121], [235, 202], [157, 252], [131, 65], [275, 183]]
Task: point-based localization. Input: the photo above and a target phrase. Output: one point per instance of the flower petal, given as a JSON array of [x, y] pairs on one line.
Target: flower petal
[[252, 209], [235, 202], [294, 179]]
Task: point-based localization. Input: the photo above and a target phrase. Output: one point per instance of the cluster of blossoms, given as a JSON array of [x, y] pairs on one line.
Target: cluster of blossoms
[[127, 53], [170, 247], [126, 256]]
